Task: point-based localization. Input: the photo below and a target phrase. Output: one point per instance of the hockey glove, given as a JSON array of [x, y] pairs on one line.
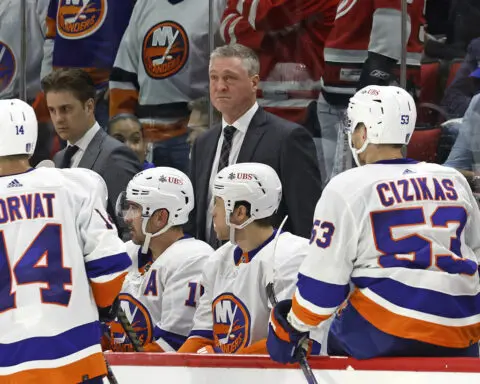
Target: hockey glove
[[283, 341], [108, 314]]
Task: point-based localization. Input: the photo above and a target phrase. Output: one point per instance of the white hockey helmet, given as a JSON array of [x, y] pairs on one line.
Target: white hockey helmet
[[160, 188], [388, 113], [255, 183], [18, 128]]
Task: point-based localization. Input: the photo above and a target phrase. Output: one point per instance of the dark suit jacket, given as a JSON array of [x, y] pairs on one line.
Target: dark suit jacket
[[112, 160], [286, 147]]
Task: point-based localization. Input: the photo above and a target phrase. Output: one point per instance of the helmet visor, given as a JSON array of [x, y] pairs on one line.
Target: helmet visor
[[126, 209]]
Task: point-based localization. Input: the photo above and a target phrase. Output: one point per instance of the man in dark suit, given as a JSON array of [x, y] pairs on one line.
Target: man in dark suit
[[250, 134], [70, 96]]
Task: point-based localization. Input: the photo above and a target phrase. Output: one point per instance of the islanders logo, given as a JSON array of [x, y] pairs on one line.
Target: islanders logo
[[7, 66], [77, 19], [165, 50], [139, 318], [231, 323]]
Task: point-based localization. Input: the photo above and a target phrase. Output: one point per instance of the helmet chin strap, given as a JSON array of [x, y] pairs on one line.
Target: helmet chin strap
[[233, 227], [148, 235], [356, 152]]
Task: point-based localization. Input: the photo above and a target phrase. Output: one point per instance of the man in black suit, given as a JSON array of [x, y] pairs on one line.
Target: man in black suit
[[70, 97], [250, 134]]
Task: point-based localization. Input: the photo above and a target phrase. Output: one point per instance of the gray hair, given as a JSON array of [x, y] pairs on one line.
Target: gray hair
[[248, 56]]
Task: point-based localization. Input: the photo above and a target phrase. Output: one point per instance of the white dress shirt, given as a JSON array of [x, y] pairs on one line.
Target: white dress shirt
[[82, 144], [241, 125]]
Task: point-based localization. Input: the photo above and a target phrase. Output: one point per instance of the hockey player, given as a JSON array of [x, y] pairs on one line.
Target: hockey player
[[289, 37], [364, 48], [404, 234], [232, 316], [61, 261], [161, 292], [11, 43], [92, 29], [162, 65]]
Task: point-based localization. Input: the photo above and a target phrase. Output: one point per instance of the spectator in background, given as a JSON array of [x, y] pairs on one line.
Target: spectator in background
[[289, 38], [465, 154], [86, 34], [11, 47], [466, 83], [198, 122], [364, 48], [249, 134], [460, 27], [160, 67], [70, 96], [127, 129], [11, 71]]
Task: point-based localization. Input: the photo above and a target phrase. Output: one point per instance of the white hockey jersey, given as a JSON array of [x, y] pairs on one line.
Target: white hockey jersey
[[11, 45], [160, 304], [162, 63], [234, 309], [407, 236], [60, 259]]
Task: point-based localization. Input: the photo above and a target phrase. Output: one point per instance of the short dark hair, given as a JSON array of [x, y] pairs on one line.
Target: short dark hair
[[264, 223], [122, 117], [74, 80]]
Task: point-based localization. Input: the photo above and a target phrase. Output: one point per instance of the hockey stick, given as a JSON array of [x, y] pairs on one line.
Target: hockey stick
[[71, 20], [300, 354], [110, 375], [127, 327]]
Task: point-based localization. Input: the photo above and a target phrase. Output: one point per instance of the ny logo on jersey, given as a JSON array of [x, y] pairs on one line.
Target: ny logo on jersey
[[231, 323], [165, 49], [7, 66], [139, 318], [77, 19]]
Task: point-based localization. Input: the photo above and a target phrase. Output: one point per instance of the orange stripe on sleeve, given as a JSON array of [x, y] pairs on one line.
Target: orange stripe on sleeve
[[279, 331], [193, 344], [306, 316], [105, 293], [51, 28], [122, 101], [93, 366], [409, 328]]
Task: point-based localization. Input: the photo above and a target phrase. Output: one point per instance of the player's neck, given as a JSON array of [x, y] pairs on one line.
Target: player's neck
[[13, 166], [160, 243], [383, 153], [252, 237]]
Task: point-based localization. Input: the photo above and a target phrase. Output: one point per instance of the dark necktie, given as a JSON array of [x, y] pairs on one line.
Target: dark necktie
[[228, 133], [67, 157]]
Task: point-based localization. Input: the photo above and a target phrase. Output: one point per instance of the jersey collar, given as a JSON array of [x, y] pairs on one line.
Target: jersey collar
[[240, 257]]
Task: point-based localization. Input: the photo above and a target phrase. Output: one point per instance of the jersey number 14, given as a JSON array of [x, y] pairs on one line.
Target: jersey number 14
[[42, 262]]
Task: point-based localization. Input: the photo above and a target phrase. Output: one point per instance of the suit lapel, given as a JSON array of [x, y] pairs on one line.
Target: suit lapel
[[93, 150], [255, 131], [206, 160], [58, 157]]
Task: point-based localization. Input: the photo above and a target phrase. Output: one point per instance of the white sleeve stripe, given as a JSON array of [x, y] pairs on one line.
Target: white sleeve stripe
[[106, 278], [252, 15], [231, 30], [224, 24], [312, 307], [240, 4]]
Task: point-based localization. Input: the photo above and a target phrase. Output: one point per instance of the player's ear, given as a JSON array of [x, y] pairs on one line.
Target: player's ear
[[239, 215]]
